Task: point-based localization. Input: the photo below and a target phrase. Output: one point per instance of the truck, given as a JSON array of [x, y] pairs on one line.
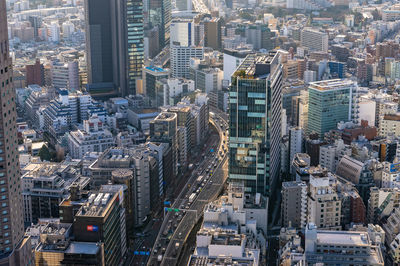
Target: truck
[[200, 178], [191, 198]]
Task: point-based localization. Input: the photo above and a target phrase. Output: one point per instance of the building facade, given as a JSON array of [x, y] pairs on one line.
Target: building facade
[[255, 98]]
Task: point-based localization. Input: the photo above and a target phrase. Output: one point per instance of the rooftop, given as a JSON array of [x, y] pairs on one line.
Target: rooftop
[[332, 84], [258, 66], [97, 205], [82, 248], [343, 238]]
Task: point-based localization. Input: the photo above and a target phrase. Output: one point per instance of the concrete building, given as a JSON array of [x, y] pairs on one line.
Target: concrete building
[[35, 73], [55, 247], [314, 39], [136, 166], [295, 143], [324, 204], [212, 33], [389, 124], [44, 186], [164, 129], [65, 75], [14, 248], [175, 88], [102, 219], [257, 76], [392, 233], [140, 118], [331, 154], [391, 175], [381, 203], [206, 79], [184, 5], [342, 247], [230, 231], [294, 204], [66, 110], [180, 59], [232, 59], [93, 138]]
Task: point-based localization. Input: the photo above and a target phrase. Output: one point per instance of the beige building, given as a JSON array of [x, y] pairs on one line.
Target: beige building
[[389, 125], [381, 203], [324, 205]]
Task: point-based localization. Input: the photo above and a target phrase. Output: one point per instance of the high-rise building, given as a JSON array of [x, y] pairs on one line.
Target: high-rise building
[[183, 47], [99, 49], [102, 219], [150, 76], [255, 123], [129, 40], [324, 204], [164, 129], [330, 102], [159, 13], [65, 75], [35, 73], [114, 46], [314, 40], [212, 33], [14, 248], [294, 204], [295, 143]]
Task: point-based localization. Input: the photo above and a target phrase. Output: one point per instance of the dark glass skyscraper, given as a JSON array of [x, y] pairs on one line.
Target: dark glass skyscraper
[[99, 49], [160, 16], [255, 123], [130, 43], [114, 45]]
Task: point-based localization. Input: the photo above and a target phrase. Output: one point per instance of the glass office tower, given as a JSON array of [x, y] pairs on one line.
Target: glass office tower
[[255, 123]]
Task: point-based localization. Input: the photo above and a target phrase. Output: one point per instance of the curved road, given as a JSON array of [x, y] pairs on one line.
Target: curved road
[[177, 225]]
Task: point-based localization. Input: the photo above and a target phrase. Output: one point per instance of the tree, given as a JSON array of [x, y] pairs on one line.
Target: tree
[[44, 153]]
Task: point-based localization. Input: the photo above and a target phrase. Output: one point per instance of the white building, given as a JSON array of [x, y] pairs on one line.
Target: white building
[[174, 87], [324, 204], [295, 143], [367, 109], [391, 175], [65, 75], [331, 154], [93, 138], [182, 32], [206, 79], [229, 233], [341, 247], [68, 28], [310, 76], [232, 59], [54, 32], [180, 59], [314, 39]]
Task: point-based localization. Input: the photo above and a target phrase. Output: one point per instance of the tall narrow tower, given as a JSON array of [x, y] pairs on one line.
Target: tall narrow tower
[[11, 215], [255, 104]]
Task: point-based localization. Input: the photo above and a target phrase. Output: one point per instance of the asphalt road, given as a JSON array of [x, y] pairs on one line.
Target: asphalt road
[[178, 225]]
